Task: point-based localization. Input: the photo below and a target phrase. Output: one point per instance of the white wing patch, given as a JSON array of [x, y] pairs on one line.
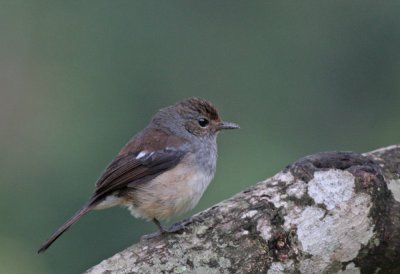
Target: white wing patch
[[144, 154], [141, 155]]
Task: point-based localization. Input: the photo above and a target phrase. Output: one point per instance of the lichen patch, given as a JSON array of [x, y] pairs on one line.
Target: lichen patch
[[280, 267], [250, 214], [297, 189], [338, 233], [331, 187], [276, 268], [394, 186], [351, 269], [286, 177], [271, 194], [264, 228]]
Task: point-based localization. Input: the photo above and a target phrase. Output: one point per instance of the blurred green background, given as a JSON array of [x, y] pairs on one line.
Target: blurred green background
[[79, 78]]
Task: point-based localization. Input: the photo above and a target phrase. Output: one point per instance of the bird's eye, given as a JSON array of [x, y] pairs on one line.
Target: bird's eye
[[203, 122]]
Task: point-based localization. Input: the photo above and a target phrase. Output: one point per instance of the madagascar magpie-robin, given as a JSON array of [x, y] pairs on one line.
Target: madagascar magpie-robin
[[164, 169]]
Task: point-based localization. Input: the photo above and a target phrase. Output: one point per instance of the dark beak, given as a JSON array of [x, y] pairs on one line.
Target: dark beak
[[227, 125]]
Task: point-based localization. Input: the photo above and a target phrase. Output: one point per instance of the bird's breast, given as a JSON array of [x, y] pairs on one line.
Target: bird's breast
[[172, 192]]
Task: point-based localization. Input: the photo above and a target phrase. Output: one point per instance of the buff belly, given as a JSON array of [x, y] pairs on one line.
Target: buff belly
[[171, 193]]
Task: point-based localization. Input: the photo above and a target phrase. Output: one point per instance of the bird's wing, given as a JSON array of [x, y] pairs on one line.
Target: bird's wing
[[130, 169]]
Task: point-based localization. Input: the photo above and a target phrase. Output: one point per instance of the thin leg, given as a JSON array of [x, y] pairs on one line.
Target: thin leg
[[162, 230], [160, 227], [155, 234], [175, 228]]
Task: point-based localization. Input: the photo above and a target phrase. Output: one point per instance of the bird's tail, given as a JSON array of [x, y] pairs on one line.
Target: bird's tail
[[85, 209]]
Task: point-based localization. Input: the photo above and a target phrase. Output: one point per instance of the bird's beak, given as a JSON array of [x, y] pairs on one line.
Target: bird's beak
[[227, 125]]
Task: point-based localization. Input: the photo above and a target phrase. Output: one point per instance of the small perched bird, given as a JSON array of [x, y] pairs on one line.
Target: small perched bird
[[164, 169]]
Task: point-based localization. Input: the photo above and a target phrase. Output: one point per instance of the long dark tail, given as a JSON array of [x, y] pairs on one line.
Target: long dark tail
[[85, 209]]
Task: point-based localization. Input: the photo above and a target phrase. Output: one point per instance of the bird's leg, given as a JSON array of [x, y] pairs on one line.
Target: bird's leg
[[160, 227], [155, 234], [162, 230]]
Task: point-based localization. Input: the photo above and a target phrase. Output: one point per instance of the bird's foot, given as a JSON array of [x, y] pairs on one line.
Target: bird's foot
[[175, 228]]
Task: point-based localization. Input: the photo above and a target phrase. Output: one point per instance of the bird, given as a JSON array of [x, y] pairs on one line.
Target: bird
[[163, 170]]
